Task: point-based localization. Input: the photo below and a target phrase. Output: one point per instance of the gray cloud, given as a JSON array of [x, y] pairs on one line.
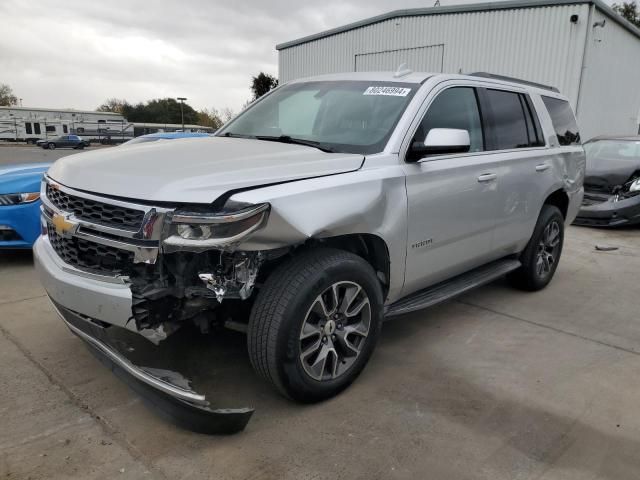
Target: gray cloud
[[78, 53]]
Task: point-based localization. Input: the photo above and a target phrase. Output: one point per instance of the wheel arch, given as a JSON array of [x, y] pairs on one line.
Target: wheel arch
[[560, 199]]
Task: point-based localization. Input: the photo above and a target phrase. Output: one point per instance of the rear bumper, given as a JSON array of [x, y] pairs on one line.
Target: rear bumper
[[24, 223], [610, 213]]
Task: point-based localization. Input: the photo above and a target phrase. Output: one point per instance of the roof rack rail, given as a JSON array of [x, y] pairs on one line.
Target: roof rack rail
[[514, 80]]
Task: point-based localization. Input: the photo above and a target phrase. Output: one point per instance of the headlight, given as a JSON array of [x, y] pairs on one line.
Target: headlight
[[635, 185], [196, 231], [18, 198]]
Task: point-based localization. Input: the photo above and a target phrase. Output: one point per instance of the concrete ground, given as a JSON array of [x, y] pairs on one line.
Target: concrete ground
[[20, 153], [498, 384]]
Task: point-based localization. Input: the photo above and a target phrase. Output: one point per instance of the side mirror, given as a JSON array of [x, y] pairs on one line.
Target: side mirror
[[440, 141]]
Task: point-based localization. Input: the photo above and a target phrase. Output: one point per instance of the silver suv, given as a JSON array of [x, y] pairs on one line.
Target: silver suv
[[327, 206]]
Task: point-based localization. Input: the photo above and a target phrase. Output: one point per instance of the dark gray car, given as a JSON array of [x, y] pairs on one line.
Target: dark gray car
[[612, 182], [64, 141]]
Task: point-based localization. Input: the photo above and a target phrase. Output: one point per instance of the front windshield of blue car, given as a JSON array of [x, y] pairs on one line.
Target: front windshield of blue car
[[341, 116]]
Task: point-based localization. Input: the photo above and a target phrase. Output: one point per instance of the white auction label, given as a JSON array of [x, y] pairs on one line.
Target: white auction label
[[391, 91]]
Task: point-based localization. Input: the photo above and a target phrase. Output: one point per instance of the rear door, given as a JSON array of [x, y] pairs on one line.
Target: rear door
[[452, 199], [515, 138]]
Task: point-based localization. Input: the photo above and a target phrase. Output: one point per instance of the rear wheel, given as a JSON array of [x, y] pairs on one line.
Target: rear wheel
[[315, 323], [52, 146], [541, 256]]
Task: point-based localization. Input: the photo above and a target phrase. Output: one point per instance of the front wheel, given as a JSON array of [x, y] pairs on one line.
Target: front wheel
[[315, 323], [541, 256], [52, 146]]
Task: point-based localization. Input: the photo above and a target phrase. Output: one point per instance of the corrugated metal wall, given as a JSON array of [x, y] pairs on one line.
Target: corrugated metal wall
[[429, 58], [538, 44], [610, 93]]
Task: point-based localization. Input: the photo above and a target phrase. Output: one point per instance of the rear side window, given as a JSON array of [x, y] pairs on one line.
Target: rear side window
[[514, 123], [564, 122]]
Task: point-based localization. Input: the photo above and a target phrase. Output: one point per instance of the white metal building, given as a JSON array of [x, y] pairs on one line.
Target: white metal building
[[582, 47]]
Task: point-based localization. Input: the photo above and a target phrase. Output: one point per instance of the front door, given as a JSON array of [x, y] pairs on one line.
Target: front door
[[452, 199]]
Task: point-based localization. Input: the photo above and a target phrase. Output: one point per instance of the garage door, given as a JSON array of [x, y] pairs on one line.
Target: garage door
[[419, 59]]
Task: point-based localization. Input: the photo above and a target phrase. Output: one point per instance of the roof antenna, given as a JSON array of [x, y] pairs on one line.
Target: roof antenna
[[402, 70]]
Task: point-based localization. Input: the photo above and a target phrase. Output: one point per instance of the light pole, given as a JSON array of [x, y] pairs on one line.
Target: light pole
[[182, 99]]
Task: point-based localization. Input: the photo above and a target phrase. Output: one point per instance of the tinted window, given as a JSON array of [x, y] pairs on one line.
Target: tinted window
[[564, 122], [36, 128], [536, 138], [454, 108], [509, 125], [27, 127]]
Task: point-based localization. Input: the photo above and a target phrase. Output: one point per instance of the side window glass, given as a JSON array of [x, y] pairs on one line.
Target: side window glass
[[456, 107], [536, 139], [509, 126], [564, 122]]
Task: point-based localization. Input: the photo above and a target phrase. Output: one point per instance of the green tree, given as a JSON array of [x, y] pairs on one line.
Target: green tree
[[7, 98], [629, 10], [262, 83], [115, 105], [210, 118], [159, 110]]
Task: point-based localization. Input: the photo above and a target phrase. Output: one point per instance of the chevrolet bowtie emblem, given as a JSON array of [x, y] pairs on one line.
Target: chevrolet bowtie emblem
[[63, 226]]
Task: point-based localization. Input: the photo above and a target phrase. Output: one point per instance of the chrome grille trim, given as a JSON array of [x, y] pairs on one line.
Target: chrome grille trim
[[143, 242], [150, 228]]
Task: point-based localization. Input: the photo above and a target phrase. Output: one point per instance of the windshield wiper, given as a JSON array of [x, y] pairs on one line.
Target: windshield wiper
[[295, 141]]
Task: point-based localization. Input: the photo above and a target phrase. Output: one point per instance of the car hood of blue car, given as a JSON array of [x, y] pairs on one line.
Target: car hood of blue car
[[22, 178]]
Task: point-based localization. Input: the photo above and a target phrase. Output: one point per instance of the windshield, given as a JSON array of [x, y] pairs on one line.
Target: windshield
[[340, 116], [613, 150]]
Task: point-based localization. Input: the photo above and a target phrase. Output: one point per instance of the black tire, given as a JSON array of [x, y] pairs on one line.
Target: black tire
[[51, 146], [530, 277], [285, 303], [80, 146]]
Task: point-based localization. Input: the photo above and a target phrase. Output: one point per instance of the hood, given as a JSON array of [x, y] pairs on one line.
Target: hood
[[22, 178], [606, 173], [195, 170]]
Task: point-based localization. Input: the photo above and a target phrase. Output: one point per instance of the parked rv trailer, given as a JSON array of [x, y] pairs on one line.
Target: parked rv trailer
[[22, 124], [25, 124]]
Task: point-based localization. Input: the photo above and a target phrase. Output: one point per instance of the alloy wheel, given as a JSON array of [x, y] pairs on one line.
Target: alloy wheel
[[548, 249], [334, 331]]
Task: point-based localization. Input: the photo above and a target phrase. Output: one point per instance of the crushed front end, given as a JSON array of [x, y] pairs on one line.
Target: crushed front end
[[129, 273], [606, 205]]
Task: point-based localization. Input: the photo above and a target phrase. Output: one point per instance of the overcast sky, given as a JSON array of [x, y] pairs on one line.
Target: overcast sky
[[77, 53]]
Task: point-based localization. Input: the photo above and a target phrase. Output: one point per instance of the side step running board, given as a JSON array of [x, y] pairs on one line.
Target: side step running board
[[451, 288]]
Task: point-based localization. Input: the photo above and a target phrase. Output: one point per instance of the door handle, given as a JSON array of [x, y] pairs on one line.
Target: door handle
[[487, 177], [542, 167]]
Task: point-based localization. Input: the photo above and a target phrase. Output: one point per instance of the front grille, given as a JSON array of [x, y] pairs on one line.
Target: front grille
[[96, 212], [88, 255]]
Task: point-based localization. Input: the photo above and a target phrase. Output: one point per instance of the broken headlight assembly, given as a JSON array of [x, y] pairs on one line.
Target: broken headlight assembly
[[630, 189], [195, 231]]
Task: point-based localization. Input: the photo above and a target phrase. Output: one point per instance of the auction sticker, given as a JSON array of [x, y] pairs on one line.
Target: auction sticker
[[390, 91]]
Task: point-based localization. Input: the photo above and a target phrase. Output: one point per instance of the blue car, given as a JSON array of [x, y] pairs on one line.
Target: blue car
[[152, 137], [20, 204]]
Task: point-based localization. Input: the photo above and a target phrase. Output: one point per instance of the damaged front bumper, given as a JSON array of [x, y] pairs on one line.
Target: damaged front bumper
[[599, 210], [106, 306]]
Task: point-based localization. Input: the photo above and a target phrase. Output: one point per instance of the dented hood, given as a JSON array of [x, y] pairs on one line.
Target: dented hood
[[195, 170], [605, 173]]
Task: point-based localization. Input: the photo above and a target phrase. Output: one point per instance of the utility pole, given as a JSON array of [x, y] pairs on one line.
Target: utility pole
[[182, 99]]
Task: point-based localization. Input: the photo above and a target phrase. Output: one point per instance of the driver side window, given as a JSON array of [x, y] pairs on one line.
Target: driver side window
[[457, 108]]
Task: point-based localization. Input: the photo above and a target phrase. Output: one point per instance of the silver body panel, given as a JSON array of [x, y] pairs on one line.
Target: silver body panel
[[436, 217]]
